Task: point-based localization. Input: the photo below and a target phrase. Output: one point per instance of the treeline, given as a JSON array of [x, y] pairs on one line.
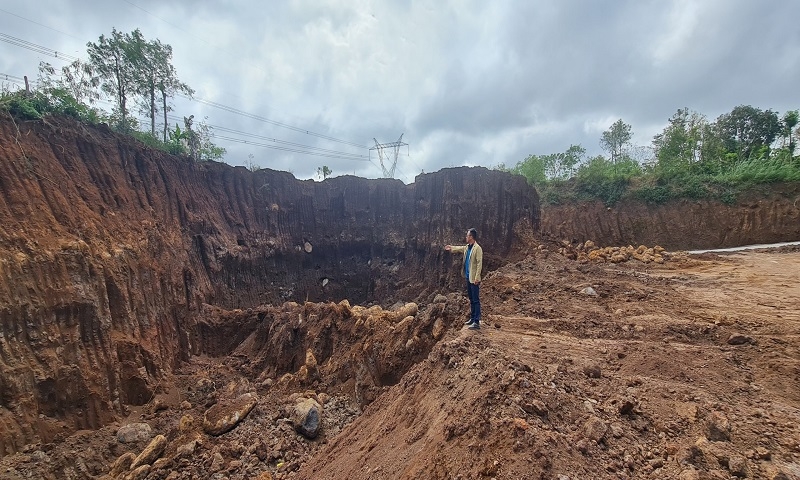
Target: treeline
[[131, 73], [692, 158]]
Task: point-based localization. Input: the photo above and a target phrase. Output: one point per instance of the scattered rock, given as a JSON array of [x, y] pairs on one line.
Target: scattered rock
[[536, 407], [592, 371], [718, 428], [186, 423], [223, 416], [151, 452], [582, 446], [134, 432], [307, 418], [740, 339], [689, 474], [187, 449], [122, 464], [139, 473], [589, 291], [595, 429], [737, 465], [626, 406]]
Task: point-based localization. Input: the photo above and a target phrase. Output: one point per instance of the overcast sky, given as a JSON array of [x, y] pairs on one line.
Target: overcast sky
[[470, 82]]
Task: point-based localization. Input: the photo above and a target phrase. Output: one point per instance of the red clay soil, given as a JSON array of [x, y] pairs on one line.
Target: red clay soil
[[164, 319], [689, 369]]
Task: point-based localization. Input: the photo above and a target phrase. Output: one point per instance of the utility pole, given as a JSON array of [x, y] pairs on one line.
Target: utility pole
[[382, 154]]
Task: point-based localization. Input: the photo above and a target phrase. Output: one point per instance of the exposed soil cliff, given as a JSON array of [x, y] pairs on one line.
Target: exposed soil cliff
[[766, 214], [109, 252]]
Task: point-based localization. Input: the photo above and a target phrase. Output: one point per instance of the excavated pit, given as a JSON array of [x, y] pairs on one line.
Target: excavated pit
[[115, 258], [136, 287]]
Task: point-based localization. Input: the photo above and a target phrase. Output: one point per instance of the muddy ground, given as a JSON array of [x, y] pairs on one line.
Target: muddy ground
[[688, 369]]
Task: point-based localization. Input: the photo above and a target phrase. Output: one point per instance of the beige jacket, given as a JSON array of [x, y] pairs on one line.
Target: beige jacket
[[475, 260]]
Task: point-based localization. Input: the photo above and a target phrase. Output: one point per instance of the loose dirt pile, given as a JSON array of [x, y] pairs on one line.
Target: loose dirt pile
[[686, 369]]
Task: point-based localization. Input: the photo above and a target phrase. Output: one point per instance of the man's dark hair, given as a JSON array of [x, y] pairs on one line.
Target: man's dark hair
[[473, 233]]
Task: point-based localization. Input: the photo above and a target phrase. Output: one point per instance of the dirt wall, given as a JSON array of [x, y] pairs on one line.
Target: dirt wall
[[109, 250], [765, 214]]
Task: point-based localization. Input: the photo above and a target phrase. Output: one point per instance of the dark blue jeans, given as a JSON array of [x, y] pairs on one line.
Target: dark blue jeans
[[473, 292]]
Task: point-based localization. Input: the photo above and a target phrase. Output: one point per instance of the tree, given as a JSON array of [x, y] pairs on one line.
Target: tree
[[748, 131], [682, 142], [155, 74], [616, 139], [77, 78], [323, 172], [790, 120], [111, 58]]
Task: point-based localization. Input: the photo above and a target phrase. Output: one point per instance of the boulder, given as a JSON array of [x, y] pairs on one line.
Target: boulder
[[151, 452], [307, 418], [223, 416], [134, 432], [122, 464]]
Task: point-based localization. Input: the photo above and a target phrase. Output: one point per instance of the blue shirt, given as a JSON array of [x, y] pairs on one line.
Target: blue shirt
[[466, 261]]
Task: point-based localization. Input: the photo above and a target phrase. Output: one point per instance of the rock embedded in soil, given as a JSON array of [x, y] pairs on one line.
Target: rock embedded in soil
[[592, 371], [739, 339], [307, 417], [134, 432], [595, 429], [223, 416], [737, 465], [150, 453], [122, 464], [718, 427]]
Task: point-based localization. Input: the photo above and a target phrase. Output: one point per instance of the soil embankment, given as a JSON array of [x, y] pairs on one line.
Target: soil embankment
[[766, 214], [110, 250]]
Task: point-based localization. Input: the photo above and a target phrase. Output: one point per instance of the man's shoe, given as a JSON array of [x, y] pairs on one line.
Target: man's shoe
[[475, 326], [469, 322]]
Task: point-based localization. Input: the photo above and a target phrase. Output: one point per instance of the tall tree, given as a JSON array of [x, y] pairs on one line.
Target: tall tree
[[167, 82], [789, 121], [155, 75], [681, 142], [616, 139], [111, 59], [77, 78], [748, 131]]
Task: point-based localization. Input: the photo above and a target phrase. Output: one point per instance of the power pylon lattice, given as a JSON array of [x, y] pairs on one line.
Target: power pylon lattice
[[393, 150]]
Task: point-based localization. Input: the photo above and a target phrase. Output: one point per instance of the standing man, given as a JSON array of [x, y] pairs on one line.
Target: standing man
[[473, 262]]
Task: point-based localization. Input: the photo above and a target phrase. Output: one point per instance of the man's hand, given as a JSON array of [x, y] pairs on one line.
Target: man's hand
[[447, 247]]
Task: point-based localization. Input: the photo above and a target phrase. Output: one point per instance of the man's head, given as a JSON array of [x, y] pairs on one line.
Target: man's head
[[472, 236]]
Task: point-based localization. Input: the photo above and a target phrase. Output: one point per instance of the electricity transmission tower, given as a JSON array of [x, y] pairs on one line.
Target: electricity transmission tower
[[384, 155]]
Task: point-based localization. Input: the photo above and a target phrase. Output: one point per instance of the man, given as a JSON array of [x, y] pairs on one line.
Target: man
[[473, 262]]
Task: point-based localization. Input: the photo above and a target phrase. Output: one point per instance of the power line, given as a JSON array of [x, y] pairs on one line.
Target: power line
[[271, 122], [12, 78], [286, 149], [47, 51], [36, 48], [284, 145]]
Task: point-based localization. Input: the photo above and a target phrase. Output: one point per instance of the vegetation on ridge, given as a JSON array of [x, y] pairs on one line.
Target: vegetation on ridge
[[124, 70], [691, 158]]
